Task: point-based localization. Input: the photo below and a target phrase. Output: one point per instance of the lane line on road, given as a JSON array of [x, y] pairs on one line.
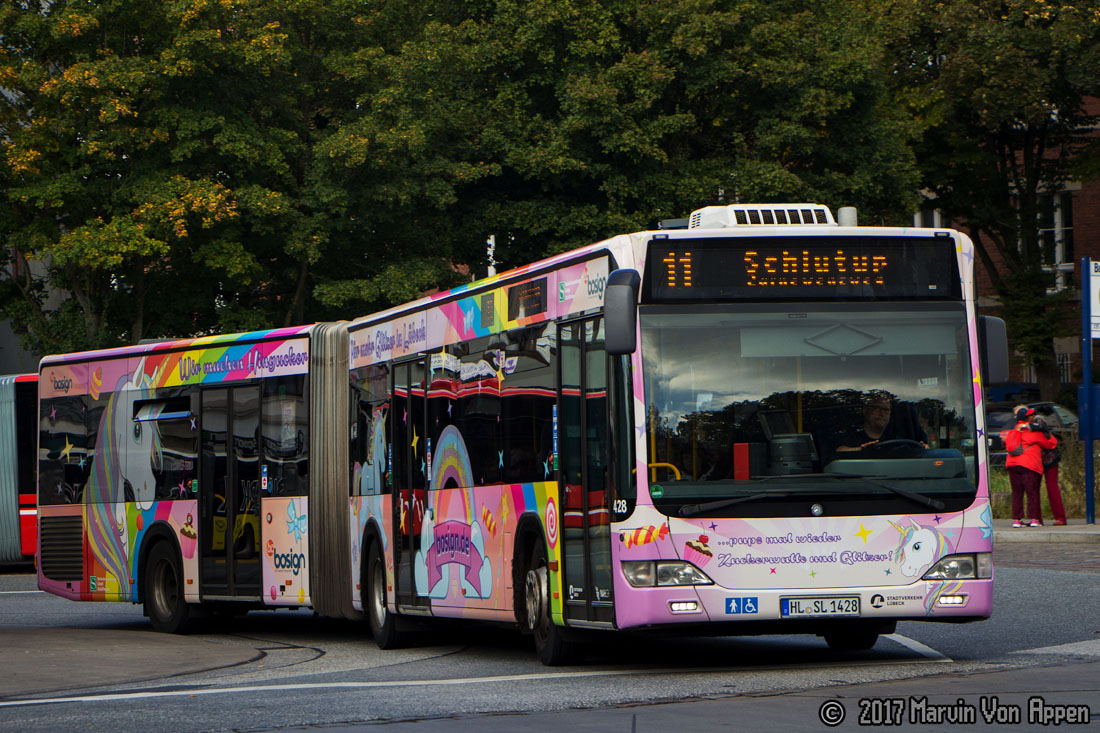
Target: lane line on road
[[916, 646], [109, 697], [13, 592]]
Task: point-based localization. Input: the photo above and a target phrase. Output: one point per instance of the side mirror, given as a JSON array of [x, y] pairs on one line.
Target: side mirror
[[620, 304], [993, 345]]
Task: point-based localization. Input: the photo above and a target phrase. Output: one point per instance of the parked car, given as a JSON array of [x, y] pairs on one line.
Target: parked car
[[998, 417]]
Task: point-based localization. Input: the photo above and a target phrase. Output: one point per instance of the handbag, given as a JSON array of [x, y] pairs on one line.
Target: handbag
[[1014, 443], [1050, 457]]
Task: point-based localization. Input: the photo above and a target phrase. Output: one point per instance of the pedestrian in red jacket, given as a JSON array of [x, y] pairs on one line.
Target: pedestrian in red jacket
[[1025, 466], [1051, 459]]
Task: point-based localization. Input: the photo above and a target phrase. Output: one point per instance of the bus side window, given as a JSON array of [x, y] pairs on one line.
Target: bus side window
[[370, 407], [63, 452], [285, 432]]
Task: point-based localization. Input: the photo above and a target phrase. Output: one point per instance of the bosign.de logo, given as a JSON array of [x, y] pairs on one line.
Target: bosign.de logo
[[595, 285], [294, 561]]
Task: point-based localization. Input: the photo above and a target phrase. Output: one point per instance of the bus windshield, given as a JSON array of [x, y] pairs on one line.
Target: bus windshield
[[763, 410]]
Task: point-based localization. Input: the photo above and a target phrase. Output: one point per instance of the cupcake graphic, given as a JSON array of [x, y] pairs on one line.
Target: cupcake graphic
[[697, 552], [188, 536]]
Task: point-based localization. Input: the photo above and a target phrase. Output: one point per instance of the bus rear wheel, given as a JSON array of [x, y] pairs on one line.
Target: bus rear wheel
[[383, 624], [164, 603], [552, 644]]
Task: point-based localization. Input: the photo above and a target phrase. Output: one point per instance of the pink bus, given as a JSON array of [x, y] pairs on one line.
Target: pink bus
[[758, 422]]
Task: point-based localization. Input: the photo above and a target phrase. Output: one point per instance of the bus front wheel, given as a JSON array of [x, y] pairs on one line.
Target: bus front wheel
[[551, 642], [164, 603], [383, 624]]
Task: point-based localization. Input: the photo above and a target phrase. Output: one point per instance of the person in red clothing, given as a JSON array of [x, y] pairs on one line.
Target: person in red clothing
[[1051, 459], [1025, 466]]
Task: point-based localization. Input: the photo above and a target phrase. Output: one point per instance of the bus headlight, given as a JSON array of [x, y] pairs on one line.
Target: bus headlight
[[962, 567], [650, 573]]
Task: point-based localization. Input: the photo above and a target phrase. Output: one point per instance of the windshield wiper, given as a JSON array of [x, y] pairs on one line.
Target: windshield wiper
[[912, 496], [692, 509]]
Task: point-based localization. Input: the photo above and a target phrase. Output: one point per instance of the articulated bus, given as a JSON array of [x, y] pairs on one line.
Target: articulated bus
[[18, 497], [757, 422]]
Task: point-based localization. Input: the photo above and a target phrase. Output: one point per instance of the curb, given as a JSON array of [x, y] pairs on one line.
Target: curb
[[1080, 534]]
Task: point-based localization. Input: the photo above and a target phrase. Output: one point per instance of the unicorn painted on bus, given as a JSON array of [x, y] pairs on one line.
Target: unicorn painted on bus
[[919, 548], [126, 454]]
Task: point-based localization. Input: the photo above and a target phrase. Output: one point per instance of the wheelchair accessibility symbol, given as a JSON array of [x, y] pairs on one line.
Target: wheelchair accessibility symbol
[[749, 604]]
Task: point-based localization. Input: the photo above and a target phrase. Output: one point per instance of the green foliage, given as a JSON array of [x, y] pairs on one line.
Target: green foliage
[[189, 166], [159, 163]]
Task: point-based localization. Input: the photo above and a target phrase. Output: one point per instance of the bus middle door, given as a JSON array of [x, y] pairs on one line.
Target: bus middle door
[[411, 457]]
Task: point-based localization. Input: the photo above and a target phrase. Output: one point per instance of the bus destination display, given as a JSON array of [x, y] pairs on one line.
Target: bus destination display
[[802, 268]]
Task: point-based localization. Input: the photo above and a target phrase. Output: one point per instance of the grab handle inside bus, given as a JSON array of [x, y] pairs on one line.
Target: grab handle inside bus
[[620, 302]]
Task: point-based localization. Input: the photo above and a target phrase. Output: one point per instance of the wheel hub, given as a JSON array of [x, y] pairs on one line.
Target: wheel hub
[[537, 583]]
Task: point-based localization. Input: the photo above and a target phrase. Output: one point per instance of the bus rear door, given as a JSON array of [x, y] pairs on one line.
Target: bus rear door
[[229, 493]]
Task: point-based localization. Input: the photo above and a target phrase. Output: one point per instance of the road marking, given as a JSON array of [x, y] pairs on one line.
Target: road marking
[[13, 592], [415, 683], [914, 645], [335, 685]]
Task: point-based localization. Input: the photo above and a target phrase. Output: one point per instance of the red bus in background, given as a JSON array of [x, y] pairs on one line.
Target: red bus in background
[[18, 493]]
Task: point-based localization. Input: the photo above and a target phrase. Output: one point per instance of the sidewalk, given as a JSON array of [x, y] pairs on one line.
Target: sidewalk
[[1075, 531]]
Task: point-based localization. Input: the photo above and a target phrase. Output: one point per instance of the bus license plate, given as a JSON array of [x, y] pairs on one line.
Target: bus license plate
[[819, 606]]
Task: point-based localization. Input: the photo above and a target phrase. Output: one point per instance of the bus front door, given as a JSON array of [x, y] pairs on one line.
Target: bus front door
[[583, 434], [229, 494]]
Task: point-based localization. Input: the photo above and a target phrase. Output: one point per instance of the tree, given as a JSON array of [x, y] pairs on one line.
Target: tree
[[1001, 88], [159, 159], [193, 166], [554, 123]]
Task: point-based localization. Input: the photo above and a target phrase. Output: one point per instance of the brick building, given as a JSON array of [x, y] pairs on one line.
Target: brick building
[[1074, 230]]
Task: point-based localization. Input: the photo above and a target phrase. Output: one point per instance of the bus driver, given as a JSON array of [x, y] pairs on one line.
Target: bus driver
[[877, 409]]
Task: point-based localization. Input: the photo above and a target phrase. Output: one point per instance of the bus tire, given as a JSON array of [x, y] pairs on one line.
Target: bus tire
[[851, 641], [383, 624], [552, 644], [164, 603]]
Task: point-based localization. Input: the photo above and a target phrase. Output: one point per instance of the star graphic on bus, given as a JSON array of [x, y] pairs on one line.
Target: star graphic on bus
[[985, 523], [863, 532]]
